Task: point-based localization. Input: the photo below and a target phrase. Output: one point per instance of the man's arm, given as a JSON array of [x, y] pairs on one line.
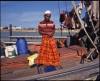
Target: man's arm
[[53, 31], [43, 33], [41, 30]]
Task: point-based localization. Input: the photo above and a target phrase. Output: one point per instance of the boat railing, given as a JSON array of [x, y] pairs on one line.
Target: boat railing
[[31, 37]]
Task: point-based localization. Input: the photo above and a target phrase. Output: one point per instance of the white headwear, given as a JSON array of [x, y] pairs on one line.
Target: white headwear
[[47, 12]]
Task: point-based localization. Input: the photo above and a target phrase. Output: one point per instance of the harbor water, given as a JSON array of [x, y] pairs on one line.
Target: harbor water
[[5, 35]]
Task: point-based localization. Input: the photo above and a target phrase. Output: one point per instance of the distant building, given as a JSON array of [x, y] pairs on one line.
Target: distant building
[[1, 28], [30, 28], [16, 27], [5, 27], [19, 27]]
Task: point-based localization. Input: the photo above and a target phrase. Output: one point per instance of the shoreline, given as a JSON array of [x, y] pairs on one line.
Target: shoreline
[[37, 31]]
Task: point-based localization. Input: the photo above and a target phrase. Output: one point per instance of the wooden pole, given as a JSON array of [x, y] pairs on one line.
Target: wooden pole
[[61, 30], [83, 26], [10, 30]]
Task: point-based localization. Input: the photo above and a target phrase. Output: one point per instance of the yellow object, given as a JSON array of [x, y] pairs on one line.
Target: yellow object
[[31, 58]]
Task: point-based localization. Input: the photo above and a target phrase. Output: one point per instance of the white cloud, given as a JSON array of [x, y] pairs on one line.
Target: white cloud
[[31, 16]]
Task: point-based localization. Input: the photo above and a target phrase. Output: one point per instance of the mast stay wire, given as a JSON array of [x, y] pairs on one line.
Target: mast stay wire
[[59, 15], [59, 7], [66, 5]]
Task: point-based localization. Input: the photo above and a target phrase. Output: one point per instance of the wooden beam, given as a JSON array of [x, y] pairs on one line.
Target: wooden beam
[[57, 37], [27, 42]]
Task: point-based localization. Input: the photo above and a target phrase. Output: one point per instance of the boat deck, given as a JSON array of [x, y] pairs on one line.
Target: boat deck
[[17, 68]]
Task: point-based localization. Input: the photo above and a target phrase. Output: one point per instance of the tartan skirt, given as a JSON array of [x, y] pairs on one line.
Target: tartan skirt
[[48, 54]]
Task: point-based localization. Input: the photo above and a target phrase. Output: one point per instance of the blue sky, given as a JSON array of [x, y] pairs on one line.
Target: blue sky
[[30, 13]]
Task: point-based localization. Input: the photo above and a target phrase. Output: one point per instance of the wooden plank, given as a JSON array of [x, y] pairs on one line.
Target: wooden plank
[[27, 42], [63, 72], [36, 37]]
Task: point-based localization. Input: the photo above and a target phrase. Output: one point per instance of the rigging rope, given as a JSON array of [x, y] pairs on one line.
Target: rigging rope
[[66, 5], [59, 15], [59, 7]]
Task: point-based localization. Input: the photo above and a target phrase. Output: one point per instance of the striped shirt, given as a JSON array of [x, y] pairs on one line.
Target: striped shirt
[[46, 26]]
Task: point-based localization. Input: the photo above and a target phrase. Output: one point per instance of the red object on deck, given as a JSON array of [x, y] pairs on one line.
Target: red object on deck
[[34, 47], [72, 52]]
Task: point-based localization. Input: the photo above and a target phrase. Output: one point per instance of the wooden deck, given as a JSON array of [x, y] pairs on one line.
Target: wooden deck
[[17, 68]]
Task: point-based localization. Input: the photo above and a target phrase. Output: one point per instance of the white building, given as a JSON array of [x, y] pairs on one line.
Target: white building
[[1, 28], [17, 27]]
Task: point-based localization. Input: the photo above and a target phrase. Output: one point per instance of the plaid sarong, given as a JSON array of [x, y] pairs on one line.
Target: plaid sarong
[[48, 54]]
